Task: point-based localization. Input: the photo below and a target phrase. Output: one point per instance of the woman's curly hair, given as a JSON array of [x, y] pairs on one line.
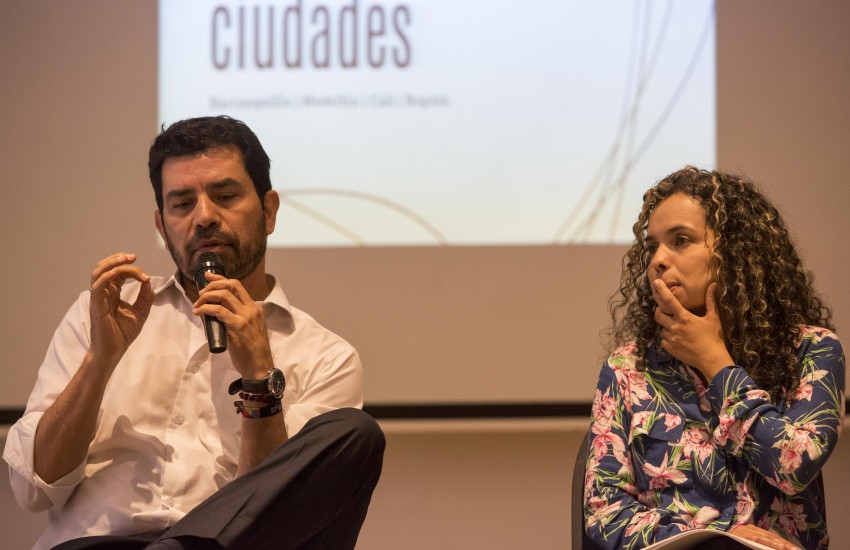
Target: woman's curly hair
[[764, 293]]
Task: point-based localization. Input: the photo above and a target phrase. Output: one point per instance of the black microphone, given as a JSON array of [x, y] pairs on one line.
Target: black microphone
[[215, 329]]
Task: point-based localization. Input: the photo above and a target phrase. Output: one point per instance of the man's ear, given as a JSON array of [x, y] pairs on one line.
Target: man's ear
[[157, 220], [271, 204]]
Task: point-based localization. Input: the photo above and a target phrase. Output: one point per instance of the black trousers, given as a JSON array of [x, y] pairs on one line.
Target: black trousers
[[311, 492]]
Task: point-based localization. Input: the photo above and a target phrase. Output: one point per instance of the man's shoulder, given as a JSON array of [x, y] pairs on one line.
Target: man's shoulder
[[306, 323], [300, 334]]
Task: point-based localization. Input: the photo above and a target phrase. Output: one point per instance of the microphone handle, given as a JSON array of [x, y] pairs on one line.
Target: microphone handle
[[215, 329], [216, 334]]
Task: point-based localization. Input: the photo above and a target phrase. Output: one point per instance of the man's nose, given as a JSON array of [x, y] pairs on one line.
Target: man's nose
[[206, 213]]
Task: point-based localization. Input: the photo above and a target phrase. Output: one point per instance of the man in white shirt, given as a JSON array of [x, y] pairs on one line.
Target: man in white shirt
[[130, 436]]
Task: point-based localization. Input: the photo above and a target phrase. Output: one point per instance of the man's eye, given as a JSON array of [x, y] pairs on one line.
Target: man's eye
[[681, 239]]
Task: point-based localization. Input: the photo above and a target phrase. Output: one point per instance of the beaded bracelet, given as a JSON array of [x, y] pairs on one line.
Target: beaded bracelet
[[263, 397], [258, 412]]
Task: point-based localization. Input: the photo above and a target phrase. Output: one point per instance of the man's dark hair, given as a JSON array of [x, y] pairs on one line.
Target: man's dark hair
[[196, 135]]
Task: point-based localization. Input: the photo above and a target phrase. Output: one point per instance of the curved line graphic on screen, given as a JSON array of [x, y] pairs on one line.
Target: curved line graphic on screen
[[287, 195], [573, 229]]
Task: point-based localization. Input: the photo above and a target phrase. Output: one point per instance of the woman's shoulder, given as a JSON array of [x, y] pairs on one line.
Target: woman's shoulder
[[623, 357], [816, 340], [628, 355], [815, 335], [629, 349]]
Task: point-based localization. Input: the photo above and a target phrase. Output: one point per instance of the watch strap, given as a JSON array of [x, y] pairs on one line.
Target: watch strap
[[273, 382], [256, 386]]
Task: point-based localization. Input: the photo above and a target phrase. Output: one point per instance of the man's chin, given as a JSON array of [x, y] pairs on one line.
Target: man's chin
[[225, 252]]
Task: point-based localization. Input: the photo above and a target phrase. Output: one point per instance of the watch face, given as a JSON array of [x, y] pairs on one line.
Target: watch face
[[277, 383]]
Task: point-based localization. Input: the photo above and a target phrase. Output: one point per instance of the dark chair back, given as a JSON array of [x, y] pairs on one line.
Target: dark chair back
[[580, 539]]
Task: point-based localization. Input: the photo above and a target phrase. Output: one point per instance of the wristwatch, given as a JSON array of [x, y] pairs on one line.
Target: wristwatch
[[273, 384]]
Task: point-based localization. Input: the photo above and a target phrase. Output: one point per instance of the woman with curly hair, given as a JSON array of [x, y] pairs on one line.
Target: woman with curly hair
[[724, 394]]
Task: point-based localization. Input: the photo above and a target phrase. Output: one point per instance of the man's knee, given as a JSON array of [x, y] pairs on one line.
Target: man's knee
[[359, 430]]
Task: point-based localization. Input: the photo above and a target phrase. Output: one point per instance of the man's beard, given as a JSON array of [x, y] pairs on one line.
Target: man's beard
[[244, 260]]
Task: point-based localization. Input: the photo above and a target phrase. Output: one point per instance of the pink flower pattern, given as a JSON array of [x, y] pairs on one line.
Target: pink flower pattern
[[744, 503], [696, 442], [663, 474], [699, 519], [660, 440], [791, 517]]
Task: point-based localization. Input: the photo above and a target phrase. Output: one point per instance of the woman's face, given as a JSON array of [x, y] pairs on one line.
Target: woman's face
[[680, 246]]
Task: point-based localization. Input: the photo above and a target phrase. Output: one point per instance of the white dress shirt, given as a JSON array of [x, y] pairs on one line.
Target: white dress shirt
[[167, 432]]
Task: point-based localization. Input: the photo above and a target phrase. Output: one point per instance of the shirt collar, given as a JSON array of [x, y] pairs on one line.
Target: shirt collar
[[275, 298]]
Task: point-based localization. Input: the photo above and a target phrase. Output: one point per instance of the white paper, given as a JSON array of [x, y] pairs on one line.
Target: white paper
[[689, 538]]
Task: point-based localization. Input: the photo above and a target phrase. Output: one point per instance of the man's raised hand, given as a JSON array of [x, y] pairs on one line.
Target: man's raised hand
[[116, 323]]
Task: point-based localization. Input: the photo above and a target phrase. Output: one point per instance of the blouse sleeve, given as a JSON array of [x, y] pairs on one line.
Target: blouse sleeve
[[787, 444], [614, 516]]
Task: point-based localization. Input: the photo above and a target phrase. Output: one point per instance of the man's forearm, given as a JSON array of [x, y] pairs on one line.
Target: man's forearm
[[66, 429], [260, 436]]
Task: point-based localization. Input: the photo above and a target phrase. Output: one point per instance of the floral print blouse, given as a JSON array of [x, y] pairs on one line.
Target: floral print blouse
[[667, 454]]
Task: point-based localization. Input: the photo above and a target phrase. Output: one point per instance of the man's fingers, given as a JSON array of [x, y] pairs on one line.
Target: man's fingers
[[144, 300], [109, 270], [217, 283], [111, 262], [115, 259], [218, 296], [118, 275]]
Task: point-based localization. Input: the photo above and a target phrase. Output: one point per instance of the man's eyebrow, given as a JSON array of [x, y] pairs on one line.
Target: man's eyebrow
[[215, 186], [226, 182], [178, 193]]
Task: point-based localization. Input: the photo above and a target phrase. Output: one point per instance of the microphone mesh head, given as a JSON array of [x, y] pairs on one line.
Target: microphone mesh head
[[208, 261]]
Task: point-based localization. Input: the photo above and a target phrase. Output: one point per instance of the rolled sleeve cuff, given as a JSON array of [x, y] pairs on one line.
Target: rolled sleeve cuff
[[33, 493]]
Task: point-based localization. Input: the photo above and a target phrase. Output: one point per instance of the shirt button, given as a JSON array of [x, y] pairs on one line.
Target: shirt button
[[176, 455], [179, 419], [195, 367], [170, 503]]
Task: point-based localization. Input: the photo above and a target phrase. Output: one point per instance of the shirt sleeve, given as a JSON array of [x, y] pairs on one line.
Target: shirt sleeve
[[64, 356], [787, 444], [336, 383], [614, 516]]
